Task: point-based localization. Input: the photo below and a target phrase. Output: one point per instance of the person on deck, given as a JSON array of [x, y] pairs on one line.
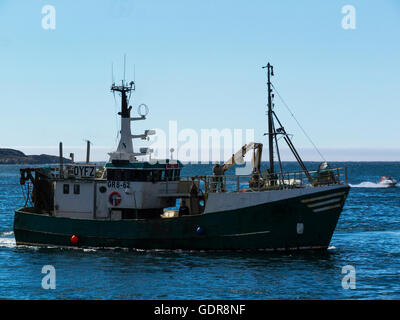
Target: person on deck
[[218, 172], [183, 209]]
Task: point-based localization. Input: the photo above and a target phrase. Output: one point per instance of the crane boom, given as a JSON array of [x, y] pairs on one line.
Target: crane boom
[[238, 157]]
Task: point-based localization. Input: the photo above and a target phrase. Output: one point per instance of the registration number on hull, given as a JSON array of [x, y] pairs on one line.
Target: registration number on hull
[[118, 184]]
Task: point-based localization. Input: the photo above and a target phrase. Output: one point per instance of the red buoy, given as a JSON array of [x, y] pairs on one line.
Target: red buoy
[[74, 239]]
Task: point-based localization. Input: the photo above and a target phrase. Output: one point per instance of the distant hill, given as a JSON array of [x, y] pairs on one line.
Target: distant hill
[[11, 156]]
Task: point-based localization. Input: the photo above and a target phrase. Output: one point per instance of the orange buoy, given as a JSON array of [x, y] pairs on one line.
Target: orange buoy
[[74, 239]]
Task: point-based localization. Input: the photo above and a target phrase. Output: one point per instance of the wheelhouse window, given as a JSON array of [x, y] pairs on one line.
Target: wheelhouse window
[[177, 173], [132, 175], [150, 175], [77, 189], [156, 175], [168, 174], [66, 188], [172, 174]]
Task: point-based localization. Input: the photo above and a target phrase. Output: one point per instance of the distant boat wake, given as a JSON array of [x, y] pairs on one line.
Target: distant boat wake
[[5, 241], [367, 184]]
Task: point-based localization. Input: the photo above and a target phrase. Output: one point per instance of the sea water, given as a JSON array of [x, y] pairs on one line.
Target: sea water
[[366, 241]]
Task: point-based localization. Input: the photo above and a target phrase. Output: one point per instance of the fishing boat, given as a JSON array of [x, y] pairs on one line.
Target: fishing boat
[[134, 201], [387, 181]]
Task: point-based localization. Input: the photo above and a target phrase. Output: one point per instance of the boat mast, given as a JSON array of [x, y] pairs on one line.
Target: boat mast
[[125, 144], [271, 133]]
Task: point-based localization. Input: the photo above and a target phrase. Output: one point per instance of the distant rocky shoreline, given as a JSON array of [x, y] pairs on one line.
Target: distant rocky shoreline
[[11, 156]]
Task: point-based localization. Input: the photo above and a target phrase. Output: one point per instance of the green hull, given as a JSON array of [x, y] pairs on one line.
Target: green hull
[[270, 226]]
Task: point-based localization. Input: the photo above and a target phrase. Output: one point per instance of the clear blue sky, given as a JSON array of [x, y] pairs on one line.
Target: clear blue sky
[[199, 62]]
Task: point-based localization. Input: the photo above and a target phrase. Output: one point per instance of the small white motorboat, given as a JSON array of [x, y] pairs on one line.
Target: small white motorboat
[[387, 181]]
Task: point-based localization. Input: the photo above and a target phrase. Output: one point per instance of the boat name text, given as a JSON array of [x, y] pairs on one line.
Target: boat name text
[[85, 171]]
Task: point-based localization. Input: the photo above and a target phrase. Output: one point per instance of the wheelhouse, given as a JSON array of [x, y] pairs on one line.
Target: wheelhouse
[[120, 170]]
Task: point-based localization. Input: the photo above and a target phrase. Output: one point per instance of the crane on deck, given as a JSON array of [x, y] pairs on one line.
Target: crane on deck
[[238, 157]]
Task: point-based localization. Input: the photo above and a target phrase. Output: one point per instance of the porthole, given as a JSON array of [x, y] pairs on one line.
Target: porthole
[[102, 189]]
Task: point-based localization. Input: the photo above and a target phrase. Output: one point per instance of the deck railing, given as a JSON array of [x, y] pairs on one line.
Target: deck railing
[[264, 181]]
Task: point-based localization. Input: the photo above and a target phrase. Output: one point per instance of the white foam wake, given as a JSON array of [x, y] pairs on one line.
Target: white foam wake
[[7, 233], [7, 243], [367, 184]]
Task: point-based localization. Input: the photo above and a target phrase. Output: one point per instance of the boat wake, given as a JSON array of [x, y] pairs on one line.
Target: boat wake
[[367, 184], [7, 243], [7, 233], [7, 240]]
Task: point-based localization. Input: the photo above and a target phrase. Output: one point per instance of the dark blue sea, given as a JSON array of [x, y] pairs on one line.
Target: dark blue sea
[[367, 238]]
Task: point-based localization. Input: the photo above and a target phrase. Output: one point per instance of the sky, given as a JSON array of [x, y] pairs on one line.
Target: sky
[[199, 63]]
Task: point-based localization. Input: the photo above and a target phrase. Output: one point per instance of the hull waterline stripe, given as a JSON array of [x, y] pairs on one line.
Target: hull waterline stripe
[[211, 250], [327, 208], [323, 197], [244, 234], [318, 204]]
